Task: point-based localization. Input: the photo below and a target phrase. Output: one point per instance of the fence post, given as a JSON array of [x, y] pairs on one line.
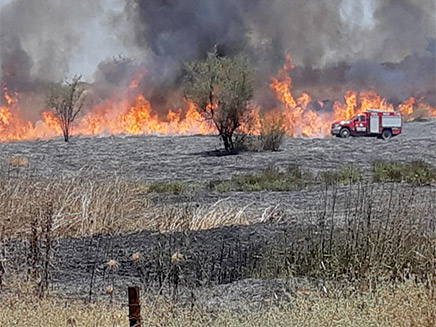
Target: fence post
[[134, 307]]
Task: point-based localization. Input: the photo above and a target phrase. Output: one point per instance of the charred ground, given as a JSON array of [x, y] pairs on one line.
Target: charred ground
[[153, 158]]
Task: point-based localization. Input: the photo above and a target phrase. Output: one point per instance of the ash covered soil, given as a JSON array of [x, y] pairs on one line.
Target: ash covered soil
[[80, 264], [182, 157], [157, 158]]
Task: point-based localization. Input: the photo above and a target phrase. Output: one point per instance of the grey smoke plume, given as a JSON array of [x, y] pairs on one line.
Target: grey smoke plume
[[387, 45], [359, 43], [47, 40]]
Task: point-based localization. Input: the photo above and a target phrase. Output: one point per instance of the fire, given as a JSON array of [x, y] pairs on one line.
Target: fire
[[348, 109], [139, 118], [431, 111], [302, 120], [281, 85], [299, 120], [406, 108], [123, 114], [411, 108], [359, 102], [11, 127], [110, 116], [5, 115]]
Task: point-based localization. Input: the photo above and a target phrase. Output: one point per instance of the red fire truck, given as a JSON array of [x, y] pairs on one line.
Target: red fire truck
[[373, 122]]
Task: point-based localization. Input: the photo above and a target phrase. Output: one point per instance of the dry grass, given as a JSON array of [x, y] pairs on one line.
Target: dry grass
[[389, 239], [404, 305], [80, 206], [18, 161], [88, 206], [199, 217]]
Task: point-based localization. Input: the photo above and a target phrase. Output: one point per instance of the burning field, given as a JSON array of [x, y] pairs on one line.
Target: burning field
[[129, 112], [135, 85], [321, 231]]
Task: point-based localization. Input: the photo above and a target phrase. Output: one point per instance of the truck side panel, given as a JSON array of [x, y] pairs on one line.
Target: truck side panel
[[391, 121]]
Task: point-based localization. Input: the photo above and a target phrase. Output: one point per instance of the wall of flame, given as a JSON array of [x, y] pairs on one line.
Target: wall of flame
[[114, 116]]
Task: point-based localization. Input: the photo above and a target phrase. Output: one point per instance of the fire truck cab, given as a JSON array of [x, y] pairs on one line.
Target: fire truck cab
[[373, 122]]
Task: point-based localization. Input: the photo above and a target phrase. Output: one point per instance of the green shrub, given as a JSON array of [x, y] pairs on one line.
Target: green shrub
[[271, 179], [344, 175], [175, 187], [415, 172]]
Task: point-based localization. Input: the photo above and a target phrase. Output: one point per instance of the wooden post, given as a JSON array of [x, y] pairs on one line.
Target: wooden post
[[134, 307]]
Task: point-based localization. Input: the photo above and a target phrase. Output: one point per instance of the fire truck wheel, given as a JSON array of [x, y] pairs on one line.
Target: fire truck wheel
[[386, 134], [344, 133]]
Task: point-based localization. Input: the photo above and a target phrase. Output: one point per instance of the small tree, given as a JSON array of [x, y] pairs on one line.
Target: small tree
[[66, 101], [221, 88]]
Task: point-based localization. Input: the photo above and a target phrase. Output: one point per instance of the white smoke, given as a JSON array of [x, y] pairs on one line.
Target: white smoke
[[61, 38]]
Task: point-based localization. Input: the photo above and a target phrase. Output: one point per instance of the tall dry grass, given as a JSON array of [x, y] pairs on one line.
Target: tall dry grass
[[403, 305], [371, 234], [83, 206]]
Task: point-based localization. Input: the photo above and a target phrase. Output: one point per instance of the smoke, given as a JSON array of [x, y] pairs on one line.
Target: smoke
[[386, 45], [335, 44], [48, 40]]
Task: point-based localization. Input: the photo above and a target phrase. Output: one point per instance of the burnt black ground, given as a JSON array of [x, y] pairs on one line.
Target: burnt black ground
[[151, 158], [179, 157], [216, 266]]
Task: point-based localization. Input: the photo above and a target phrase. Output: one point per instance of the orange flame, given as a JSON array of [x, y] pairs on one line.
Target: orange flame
[[358, 102], [115, 116], [411, 108], [299, 119], [281, 85], [406, 108]]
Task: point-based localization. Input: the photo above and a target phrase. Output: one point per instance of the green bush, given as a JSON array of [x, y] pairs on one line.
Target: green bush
[[415, 172], [344, 175], [175, 187], [271, 179]]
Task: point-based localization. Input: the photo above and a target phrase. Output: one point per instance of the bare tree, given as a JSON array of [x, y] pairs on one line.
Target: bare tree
[[221, 88], [66, 101]]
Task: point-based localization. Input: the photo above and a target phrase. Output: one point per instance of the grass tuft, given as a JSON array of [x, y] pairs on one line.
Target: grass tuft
[[174, 187], [344, 175], [415, 172], [270, 179]]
